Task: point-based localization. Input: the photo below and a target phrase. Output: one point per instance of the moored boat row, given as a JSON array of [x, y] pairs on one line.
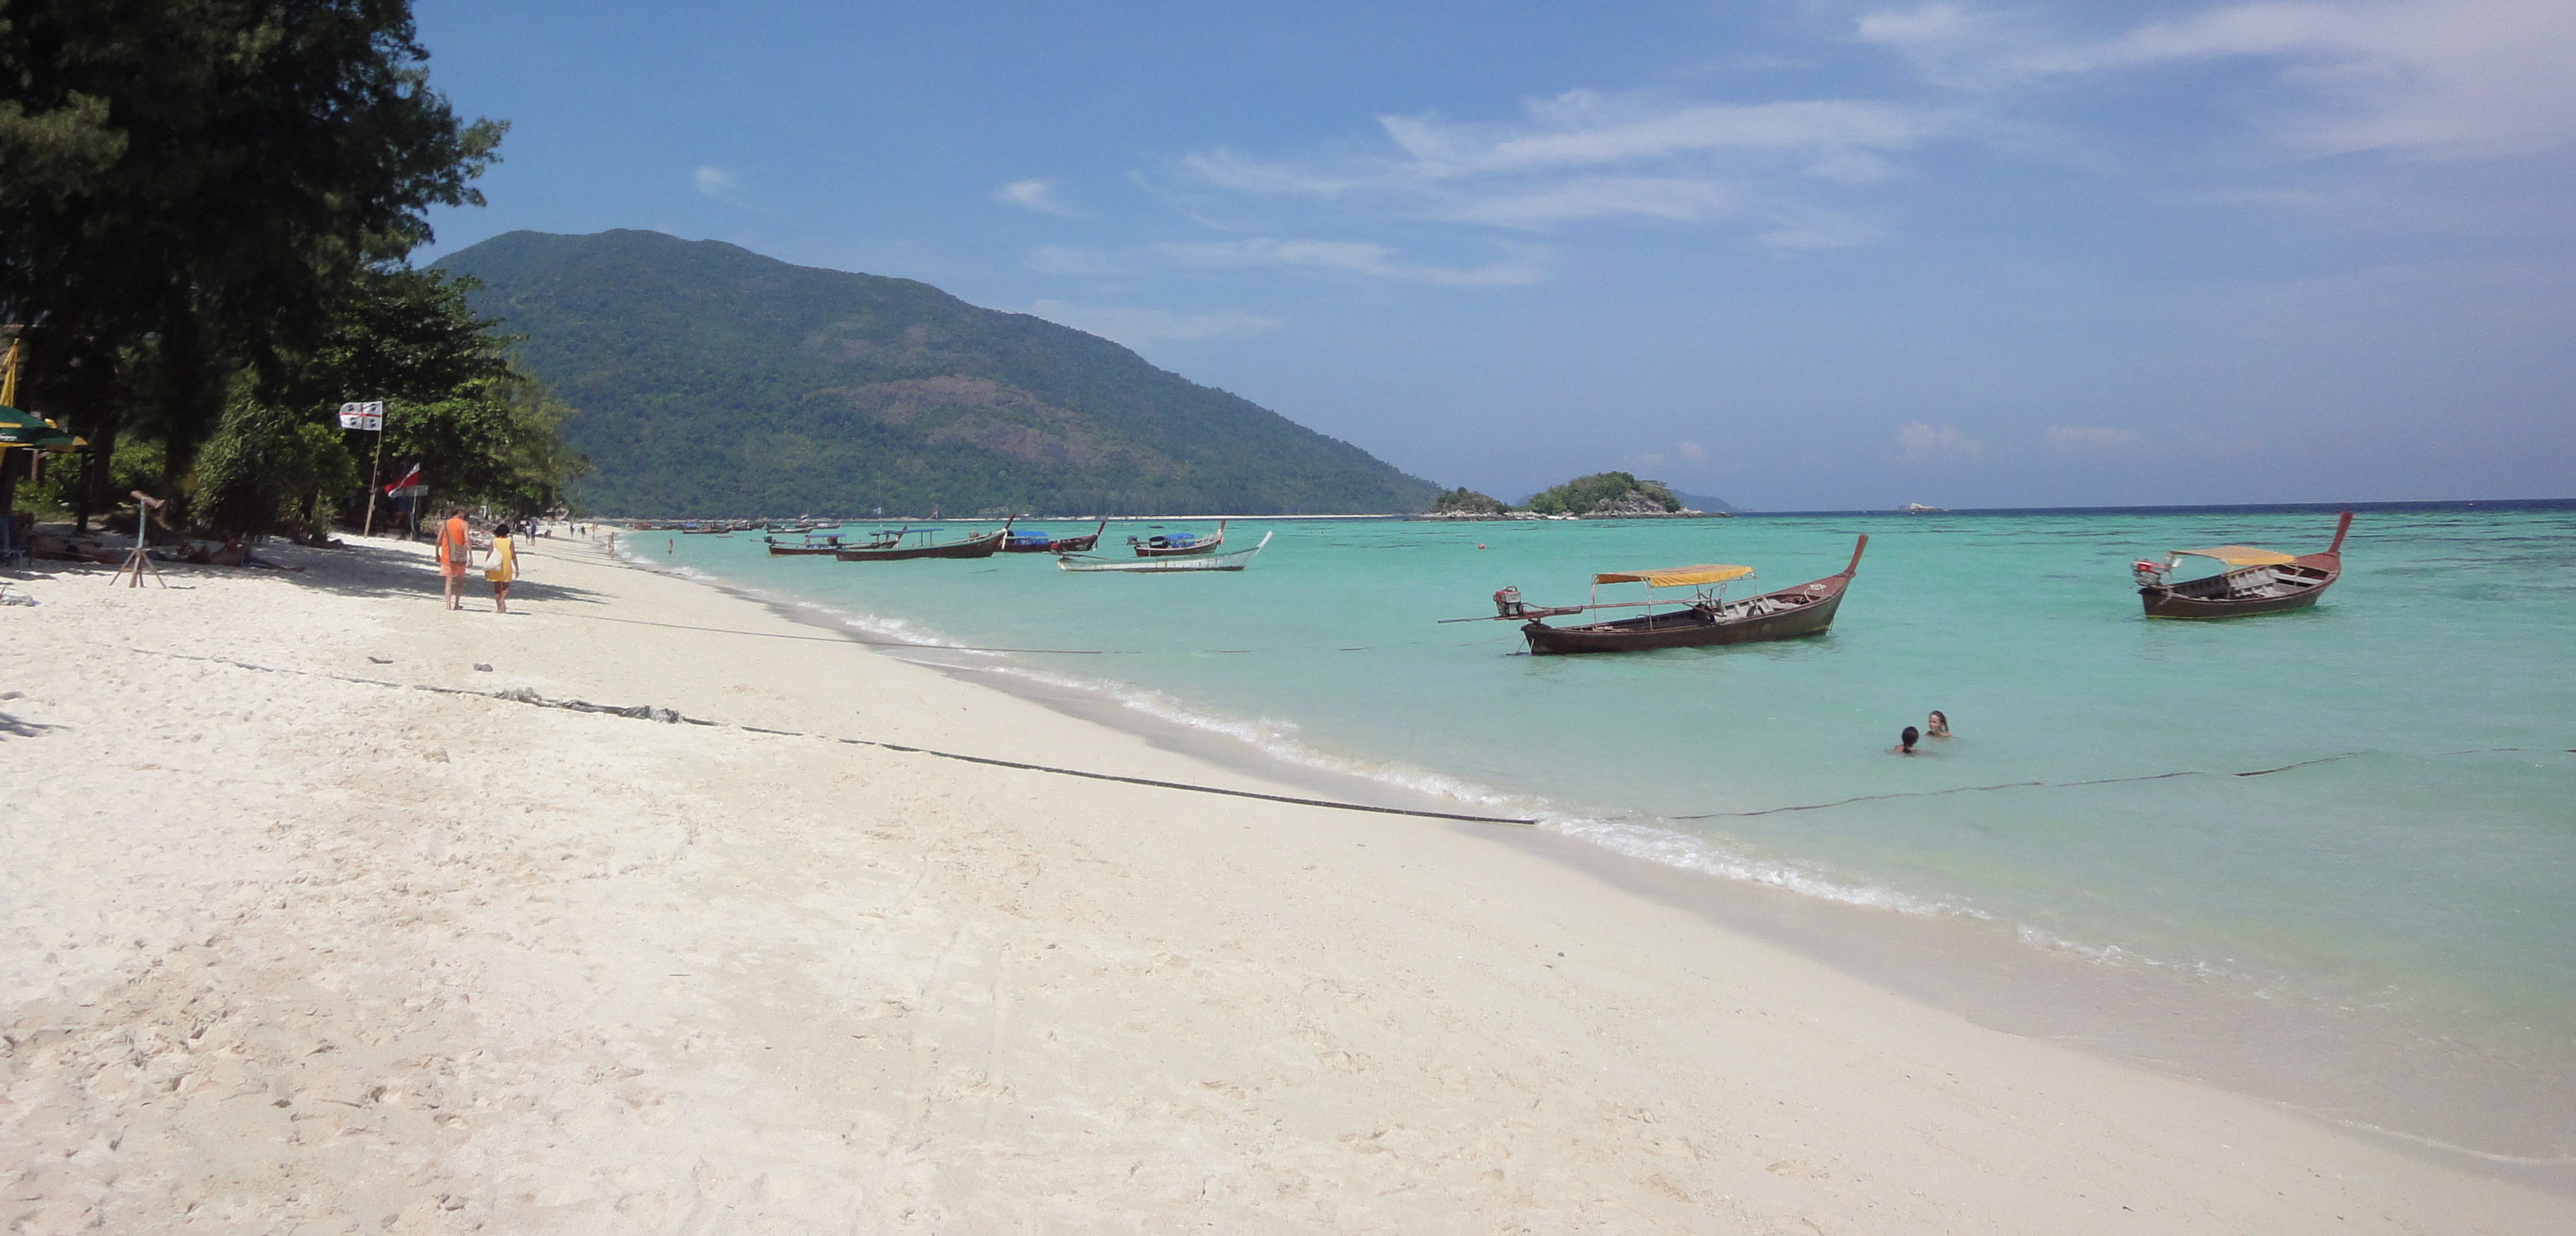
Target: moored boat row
[[2257, 581]]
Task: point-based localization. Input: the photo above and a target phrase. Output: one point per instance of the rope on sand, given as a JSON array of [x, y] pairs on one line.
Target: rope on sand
[[648, 712]]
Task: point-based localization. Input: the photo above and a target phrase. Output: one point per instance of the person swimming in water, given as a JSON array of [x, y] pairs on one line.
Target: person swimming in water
[[1905, 742], [1937, 725]]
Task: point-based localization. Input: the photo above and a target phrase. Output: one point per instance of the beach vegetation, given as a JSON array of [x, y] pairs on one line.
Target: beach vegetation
[[1465, 501], [203, 235], [1605, 493]]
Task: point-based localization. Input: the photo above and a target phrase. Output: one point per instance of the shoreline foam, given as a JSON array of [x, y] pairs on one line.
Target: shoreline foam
[[2234, 1031]]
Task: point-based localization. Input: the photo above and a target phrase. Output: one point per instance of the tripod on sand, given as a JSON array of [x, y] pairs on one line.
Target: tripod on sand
[[139, 561]]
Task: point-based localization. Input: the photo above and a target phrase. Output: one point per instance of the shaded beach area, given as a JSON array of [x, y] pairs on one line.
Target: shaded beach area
[[314, 924]]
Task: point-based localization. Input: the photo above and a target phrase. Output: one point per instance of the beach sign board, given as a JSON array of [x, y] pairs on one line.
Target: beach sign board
[[368, 415]]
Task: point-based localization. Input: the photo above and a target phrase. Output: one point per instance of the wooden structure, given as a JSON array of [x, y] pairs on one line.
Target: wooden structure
[[2257, 581]]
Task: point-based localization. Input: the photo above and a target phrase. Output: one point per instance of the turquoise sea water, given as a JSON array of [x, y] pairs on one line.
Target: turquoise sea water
[[2427, 867]]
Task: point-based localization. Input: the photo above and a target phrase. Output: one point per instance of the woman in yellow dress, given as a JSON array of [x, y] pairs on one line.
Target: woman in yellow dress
[[504, 568]]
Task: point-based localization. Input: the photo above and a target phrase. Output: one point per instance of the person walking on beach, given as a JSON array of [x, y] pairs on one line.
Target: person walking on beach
[[504, 568], [1905, 742], [1937, 725], [455, 550]]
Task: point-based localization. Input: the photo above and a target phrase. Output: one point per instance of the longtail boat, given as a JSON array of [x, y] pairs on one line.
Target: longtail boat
[[890, 547], [810, 545], [2257, 581], [1707, 619], [1041, 543], [1235, 560], [1177, 544]]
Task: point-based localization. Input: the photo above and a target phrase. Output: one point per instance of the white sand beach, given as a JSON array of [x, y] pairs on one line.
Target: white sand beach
[[287, 952]]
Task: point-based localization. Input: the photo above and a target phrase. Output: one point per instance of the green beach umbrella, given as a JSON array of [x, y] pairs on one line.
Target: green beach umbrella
[[21, 428]]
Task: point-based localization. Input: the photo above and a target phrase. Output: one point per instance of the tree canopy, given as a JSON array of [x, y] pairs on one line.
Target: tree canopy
[[197, 189], [1604, 492]]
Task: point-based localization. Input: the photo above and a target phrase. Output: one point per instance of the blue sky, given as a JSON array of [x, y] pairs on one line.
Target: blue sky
[[1800, 255]]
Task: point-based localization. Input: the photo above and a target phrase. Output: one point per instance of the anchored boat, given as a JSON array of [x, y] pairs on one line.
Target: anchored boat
[[812, 544], [1706, 619], [1040, 543], [1234, 561], [890, 547], [2257, 581], [1179, 544]]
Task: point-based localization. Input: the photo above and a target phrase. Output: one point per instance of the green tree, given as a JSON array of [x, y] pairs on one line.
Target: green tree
[[481, 430], [191, 182], [263, 467], [1603, 491], [1466, 501]]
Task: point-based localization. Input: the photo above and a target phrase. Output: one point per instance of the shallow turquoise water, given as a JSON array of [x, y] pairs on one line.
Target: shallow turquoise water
[[2432, 870]]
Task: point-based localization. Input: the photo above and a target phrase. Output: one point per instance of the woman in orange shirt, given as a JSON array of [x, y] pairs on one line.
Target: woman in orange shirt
[[455, 549]]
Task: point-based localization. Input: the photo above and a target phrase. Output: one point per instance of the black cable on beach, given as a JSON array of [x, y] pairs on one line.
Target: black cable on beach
[[647, 712]]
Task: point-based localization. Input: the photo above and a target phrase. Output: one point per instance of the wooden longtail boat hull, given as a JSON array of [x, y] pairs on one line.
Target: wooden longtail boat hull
[[801, 549], [972, 547], [1145, 550], [1235, 561], [2244, 593], [1805, 609], [1061, 545]]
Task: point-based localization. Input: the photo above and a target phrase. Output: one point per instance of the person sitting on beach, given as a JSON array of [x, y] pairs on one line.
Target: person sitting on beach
[[1937, 725], [1905, 742], [455, 549], [504, 568]]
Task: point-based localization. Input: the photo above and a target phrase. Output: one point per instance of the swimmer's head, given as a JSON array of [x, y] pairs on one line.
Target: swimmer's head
[[1905, 741]]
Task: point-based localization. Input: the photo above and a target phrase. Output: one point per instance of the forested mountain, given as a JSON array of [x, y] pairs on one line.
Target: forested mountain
[[712, 380]]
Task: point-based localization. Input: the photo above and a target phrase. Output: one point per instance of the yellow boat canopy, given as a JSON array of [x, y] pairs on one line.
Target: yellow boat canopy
[[1681, 577], [2240, 555]]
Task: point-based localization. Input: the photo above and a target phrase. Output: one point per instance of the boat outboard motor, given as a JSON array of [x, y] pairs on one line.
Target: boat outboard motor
[[2149, 573], [1507, 603]]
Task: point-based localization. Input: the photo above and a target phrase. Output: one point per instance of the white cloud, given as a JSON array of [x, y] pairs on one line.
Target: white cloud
[[1582, 128], [1057, 260], [2467, 77], [1917, 442], [1602, 197], [1692, 451], [717, 183], [1132, 325], [1037, 195], [1585, 155], [1350, 257], [2089, 438], [1226, 169]]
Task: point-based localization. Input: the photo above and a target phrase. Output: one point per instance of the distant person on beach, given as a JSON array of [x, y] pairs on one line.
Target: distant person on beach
[[455, 549], [1937, 725], [1905, 742], [504, 568]]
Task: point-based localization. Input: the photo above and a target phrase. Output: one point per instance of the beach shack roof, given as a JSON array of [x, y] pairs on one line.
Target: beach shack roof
[[2240, 555], [1681, 577]]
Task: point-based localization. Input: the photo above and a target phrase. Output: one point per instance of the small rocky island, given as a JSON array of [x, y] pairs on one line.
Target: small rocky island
[[1601, 495]]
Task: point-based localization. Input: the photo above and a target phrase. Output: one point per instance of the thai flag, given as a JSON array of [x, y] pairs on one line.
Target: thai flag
[[408, 480]]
